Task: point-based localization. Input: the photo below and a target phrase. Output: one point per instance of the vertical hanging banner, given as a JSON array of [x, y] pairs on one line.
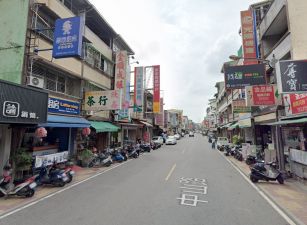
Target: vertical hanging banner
[[248, 37], [159, 118], [156, 87], [120, 76], [68, 37], [138, 87]]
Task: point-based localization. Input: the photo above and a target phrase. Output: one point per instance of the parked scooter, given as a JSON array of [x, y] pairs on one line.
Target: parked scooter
[[68, 169], [117, 156], [55, 177], [145, 147], [238, 154], [132, 152], [267, 172], [101, 159], [227, 150], [25, 188]]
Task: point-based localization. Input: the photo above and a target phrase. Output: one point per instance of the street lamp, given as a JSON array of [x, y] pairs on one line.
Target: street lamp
[[270, 63]]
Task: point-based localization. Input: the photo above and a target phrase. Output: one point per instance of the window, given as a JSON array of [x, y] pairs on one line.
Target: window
[[97, 60]]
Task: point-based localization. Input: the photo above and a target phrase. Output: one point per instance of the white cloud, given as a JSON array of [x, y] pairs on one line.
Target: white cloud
[[190, 39]]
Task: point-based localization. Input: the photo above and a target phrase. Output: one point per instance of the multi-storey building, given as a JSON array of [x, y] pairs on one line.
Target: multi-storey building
[[26, 50]]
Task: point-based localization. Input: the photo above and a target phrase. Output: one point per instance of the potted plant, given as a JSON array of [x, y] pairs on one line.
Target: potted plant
[[85, 156]]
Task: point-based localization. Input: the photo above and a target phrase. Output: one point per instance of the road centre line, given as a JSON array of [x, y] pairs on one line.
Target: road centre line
[[274, 205], [170, 172], [59, 191]]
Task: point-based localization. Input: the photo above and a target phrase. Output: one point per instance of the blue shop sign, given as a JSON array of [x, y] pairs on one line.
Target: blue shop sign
[[61, 106], [67, 39]]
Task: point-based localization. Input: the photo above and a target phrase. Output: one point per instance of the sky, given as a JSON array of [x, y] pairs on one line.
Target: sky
[[189, 39]]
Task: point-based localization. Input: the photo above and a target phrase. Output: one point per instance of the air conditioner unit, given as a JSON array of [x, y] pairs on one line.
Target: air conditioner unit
[[89, 113], [35, 81]]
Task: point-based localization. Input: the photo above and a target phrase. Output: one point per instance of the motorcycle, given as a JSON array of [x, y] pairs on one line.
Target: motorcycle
[[132, 152], [238, 154], [68, 170], [117, 156], [101, 159], [267, 172], [24, 188], [51, 176], [228, 150], [145, 147]]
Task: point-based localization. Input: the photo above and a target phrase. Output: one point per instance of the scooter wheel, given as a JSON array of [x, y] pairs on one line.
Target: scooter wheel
[[253, 179], [69, 178], [61, 184], [30, 193], [280, 179]]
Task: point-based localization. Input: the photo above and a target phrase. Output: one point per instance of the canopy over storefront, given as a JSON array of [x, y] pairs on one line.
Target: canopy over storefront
[[65, 121], [104, 127], [146, 124], [289, 121]]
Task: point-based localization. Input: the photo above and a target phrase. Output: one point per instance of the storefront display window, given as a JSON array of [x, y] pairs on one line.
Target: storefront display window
[[293, 138]]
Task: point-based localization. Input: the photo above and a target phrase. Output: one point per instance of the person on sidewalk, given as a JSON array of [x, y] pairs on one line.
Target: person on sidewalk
[[213, 143]]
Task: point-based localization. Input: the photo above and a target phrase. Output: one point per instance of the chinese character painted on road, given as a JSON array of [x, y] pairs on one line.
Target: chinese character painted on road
[[190, 200], [103, 100], [90, 101]]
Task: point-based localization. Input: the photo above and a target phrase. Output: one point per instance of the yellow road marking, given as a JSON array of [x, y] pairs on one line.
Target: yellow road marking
[[170, 172]]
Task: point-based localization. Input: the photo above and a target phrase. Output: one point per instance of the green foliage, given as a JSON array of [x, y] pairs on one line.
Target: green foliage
[[237, 140], [22, 159], [85, 154]]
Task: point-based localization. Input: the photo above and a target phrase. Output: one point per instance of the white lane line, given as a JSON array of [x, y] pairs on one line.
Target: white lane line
[[60, 191], [170, 172], [276, 207]]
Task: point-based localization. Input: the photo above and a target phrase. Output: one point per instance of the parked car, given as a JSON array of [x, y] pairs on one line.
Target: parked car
[[171, 140], [191, 134], [177, 136], [222, 141], [158, 140]]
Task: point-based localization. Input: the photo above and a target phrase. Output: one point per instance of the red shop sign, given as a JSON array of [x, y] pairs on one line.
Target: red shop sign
[[264, 95], [295, 103]]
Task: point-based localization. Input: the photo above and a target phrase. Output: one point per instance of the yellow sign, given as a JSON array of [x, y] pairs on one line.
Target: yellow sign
[[156, 107]]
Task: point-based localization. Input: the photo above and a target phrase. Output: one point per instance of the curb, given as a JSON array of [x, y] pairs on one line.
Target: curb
[[52, 193], [267, 194]]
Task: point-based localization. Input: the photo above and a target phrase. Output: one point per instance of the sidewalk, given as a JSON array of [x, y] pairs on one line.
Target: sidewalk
[[291, 197], [11, 203]]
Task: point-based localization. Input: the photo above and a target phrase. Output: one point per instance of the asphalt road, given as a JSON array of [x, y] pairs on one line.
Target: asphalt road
[[185, 184]]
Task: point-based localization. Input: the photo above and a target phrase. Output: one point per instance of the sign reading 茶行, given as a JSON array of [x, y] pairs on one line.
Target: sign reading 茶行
[[102, 100], [247, 75]]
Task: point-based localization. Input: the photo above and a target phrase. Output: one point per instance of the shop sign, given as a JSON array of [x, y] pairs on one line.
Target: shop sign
[[138, 86], [159, 117], [68, 37], [102, 100], [156, 86], [19, 104], [239, 106], [248, 37], [61, 106], [121, 77], [295, 103], [261, 95], [50, 159], [291, 76], [237, 77]]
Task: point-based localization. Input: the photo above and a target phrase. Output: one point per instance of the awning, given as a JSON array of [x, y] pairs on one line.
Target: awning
[[293, 121], [65, 121], [103, 127], [233, 126], [146, 124]]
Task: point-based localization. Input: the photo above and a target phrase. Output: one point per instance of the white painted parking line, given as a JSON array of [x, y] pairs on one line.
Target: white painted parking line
[[60, 191], [275, 206], [170, 172]]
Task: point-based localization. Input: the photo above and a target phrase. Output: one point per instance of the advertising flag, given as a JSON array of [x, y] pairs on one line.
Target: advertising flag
[[156, 86]]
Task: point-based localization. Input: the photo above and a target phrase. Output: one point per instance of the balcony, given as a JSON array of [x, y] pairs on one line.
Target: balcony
[[275, 19], [281, 48]]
